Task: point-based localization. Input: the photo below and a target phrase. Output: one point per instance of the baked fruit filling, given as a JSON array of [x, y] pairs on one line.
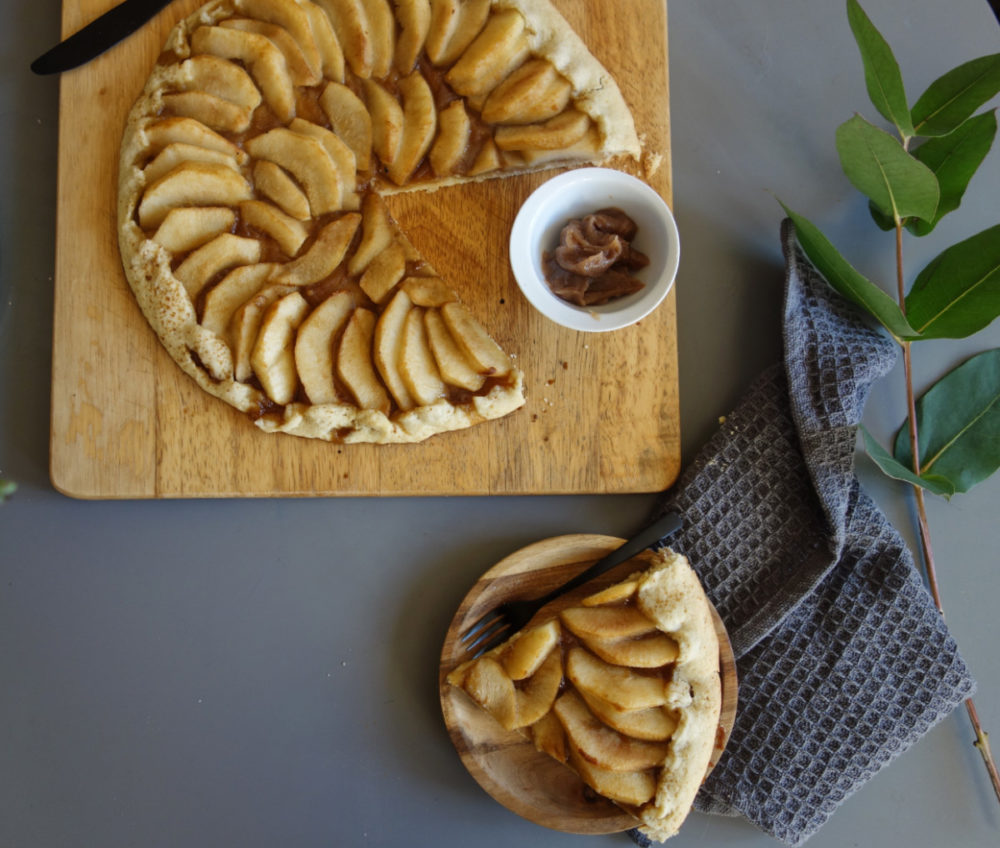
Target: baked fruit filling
[[251, 222], [623, 687]]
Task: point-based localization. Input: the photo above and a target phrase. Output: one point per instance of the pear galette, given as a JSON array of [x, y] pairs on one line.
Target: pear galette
[[252, 228], [623, 687]]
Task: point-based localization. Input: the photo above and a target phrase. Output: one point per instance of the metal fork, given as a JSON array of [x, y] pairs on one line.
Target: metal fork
[[503, 621]]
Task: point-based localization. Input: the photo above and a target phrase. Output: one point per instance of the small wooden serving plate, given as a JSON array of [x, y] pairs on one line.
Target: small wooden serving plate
[[506, 764]]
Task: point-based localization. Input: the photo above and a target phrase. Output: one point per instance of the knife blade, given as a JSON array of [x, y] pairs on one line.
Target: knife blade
[[97, 36]]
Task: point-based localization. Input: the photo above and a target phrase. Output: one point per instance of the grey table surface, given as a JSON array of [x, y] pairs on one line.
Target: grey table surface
[[260, 673]]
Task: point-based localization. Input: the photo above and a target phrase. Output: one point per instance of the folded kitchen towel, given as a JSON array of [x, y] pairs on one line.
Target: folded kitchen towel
[[844, 662]]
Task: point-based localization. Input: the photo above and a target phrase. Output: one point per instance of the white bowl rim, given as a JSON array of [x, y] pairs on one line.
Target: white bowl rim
[[530, 217]]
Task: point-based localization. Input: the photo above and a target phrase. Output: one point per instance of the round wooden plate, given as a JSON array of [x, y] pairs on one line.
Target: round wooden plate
[[506, 764]]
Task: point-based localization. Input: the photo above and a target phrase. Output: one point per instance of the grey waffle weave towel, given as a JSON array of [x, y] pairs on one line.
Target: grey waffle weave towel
[[844, 662]]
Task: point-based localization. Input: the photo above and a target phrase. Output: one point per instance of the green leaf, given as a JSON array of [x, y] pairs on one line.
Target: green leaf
[[843, 277], [882, 75], [884, 222], [958, 293], [879, 167], [954, 158], [958, 424], [950, 99], [892, 468]]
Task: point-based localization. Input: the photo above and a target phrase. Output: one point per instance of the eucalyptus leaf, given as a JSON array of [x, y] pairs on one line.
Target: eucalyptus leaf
[[884, 221], [895, 469], [958, 424], [843, 277], [879, 167], [958, 293], [883, 78], [954, 159], [953, 97]]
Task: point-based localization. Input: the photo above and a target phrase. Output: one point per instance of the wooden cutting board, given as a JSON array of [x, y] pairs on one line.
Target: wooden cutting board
[[602, 408]]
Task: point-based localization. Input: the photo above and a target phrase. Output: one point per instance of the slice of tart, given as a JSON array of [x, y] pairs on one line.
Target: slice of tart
[[251, 224], [623, 687]]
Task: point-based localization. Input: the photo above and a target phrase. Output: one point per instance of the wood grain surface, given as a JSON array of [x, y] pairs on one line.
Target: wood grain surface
[[506, 764], [602, 408]]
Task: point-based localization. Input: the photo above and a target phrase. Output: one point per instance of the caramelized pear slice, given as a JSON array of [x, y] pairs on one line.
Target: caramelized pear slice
[[548, 736], [613, 594], [377, 233], [190, 227], [524, 655], [300, 70], [616, 685], [453, 26], [221, 78], [245, 327], [419, 117], [177, 153], [452, 362], [350, 23], [539, 693], [630, 788], [325, 254], [388, 343], [655, 724], [500, 48], [340, 154], [284, 229], [429, 291], [192, 184], [607, 622], [222, 252], [273, 357], [485, 354], [331, 54], [416, 363], [212, 111], [558, 133], [176, 130], [383, 272], [314, 346], [605, 748], [534, 92], [274, 183], [493, 690], [454, 128], [350, 120], [651, 651], [387, 121], [306, 159], [355, 366], [414, 18], [231, 292], [290, 16]]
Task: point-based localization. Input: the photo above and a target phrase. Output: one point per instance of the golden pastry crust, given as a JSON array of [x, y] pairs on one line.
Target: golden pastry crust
[[258, 150], [623, 687]]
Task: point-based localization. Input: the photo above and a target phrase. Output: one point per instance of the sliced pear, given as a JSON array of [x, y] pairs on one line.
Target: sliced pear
[[586, 146], [331, 54], [178, 153], [414, 18], [524, 655], [324, 255], [453, 26], [383, 272], [306, 159], [557, 133], [245, 327], [355, 366], [212, 111], [493, 690], [376, 235], [218, 76], [607, 622], [654, 724], [284, 229], [230, 293], [299, 68], [192, 184], [428, 291], [176, 130], [454, 128], [260, 55], [190, 227], [616, 685], [388, 343], [273, 357], [340, 154], [652, 651], [613, 594], [630, 788], [601, 745], [382, 26], [350, 23], [501, 47], [539, 693], [486, 355], [350, 120], [222, 252], [416, 362], [452, 362], [487, 159], [291, 16], [548, 736], [387, 121], [315, 343], [419, 126], [534, 92], [273, 182]]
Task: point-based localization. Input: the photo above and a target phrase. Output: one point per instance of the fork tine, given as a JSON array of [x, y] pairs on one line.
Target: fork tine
[[493, 635], [498, 639], [487, 619]]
